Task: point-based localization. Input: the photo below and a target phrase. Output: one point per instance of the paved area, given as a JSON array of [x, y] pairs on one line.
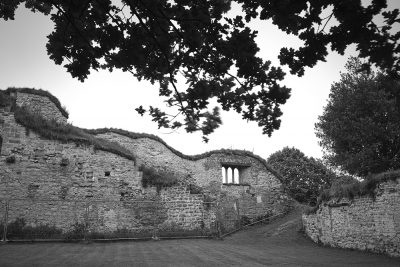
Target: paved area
[[276, 244]]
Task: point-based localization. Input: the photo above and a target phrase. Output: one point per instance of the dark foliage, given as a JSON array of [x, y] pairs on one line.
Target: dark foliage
[[5, 100], [157, 178], [303, 176], [66, 133], [19, 230], [77, 232], [359, 129], [160, 40]]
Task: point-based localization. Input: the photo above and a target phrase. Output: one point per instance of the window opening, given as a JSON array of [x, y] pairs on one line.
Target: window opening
[[234, 174]]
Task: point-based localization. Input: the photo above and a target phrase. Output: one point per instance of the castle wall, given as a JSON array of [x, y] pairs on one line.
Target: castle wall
[[59, 184], [259, 193], [49, 182], [363, 223]]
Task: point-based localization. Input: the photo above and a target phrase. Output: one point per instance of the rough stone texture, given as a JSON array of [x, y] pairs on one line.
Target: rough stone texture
[[260, 193], [60, 184], [40, 104], [363, 223]]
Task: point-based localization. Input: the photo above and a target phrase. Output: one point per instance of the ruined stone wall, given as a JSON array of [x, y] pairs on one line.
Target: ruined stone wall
[[40, 104], [260, 193], [363, 223], [61, 183], [55, 183]]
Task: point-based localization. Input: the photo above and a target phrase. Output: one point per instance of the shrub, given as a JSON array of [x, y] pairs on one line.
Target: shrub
[[159, 179], [19, 230], [5, 99], [78, 232]]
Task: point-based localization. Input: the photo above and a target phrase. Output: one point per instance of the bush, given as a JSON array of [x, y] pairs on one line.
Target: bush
[[159, 179], [19, 230], [78, 232]]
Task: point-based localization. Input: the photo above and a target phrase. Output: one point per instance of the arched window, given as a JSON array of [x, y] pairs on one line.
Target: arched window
[[235, 173], [229, 175], [235, 176]]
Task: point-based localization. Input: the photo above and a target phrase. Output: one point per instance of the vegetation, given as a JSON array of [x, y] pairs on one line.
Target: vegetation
[[357, 189], [214, 50], [303, 176], [66, 133], [359, 129], [19, 230], [159, 179], [5, 100]]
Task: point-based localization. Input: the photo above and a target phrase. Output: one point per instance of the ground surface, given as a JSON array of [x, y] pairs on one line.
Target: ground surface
[[276, 244]]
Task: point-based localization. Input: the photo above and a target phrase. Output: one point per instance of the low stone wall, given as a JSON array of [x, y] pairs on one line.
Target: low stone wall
[[364, 223]]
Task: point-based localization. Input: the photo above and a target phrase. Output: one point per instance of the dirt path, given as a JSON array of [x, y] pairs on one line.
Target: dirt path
[[276, 244]]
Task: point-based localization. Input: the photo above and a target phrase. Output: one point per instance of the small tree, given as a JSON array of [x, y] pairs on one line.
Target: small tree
[[303, 176], [360, 126]]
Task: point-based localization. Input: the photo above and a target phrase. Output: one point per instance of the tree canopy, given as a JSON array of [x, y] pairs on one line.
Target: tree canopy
[[303, 176], [360, 127], [214, 51]]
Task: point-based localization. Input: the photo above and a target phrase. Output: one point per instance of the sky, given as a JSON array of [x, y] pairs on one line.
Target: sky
[[108, 99]]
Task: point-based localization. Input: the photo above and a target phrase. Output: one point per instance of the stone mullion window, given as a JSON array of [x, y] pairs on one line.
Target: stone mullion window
[[234, 173]]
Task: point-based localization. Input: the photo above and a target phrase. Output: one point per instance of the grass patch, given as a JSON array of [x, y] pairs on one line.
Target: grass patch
[[52, 130], [40, 92], [159, 179]]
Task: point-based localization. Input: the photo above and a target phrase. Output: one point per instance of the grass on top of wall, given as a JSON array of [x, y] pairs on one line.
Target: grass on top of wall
[[350, 191], [52, 130], [40, 92], [180, 154]]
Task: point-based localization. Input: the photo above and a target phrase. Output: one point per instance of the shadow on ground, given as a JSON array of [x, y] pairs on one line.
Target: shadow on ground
[[277, 244]]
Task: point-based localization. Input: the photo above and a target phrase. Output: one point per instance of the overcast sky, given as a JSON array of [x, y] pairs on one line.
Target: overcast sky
[[108, 99]]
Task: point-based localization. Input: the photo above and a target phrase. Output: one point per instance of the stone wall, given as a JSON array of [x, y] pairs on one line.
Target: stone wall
[[363, 223], [62, 183], [59, 184], [259, 193], [40, 104]]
